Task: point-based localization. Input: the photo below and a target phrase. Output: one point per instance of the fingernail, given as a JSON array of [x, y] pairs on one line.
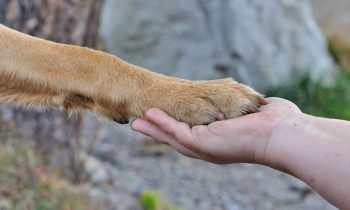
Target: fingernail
[[132, 125]]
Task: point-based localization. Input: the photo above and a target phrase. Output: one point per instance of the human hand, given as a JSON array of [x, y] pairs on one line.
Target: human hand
[[313, 149], [240, 140]]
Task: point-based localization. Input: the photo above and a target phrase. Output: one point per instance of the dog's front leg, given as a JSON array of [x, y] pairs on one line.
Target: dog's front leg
[[37, 72]]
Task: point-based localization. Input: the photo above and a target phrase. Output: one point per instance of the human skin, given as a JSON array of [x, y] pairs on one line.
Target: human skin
[[313, 149]]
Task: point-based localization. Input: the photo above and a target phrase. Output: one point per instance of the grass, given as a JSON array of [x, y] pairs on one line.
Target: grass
[[25, 184], [313, 97], [316, 99]]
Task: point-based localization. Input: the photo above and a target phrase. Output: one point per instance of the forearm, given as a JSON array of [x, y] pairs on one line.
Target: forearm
[[316, 150]]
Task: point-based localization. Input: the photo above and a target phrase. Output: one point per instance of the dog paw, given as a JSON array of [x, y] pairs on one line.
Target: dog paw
[[202, 102], [192, 102]]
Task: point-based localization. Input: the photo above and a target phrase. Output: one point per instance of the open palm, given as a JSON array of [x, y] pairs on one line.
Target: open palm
[[243, 139]]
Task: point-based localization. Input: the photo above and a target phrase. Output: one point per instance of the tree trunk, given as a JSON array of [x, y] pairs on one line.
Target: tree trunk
[[65, 21]]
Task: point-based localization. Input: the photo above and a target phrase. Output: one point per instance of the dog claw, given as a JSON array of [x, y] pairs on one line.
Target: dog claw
[[262, 101], [121, 121], [252, 109], [220, 116]]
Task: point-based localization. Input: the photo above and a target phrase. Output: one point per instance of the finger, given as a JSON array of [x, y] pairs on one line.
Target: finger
[[275, 103], [149, 129], [274, 99], [182, 149], [181, 131], [270, 101]]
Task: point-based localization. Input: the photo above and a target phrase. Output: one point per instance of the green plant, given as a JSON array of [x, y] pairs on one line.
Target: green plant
[[153, 200], [317, 99]]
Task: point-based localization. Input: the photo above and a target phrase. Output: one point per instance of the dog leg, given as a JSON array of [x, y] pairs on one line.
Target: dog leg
[[35, 72]]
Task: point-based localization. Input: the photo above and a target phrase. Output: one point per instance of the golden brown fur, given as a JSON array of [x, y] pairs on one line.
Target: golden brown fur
[[35, 72]]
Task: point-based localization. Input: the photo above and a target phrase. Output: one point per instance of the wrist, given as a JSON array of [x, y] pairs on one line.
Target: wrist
[[287, 139]]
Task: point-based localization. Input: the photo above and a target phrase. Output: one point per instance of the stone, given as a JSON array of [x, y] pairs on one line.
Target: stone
[[261, 43], [95, 170]]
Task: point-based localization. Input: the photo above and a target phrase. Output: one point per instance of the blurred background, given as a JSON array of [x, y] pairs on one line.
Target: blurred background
[[296, 49]]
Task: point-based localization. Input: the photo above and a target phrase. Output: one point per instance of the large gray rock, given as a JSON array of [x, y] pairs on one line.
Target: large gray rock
[[263, 43]]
